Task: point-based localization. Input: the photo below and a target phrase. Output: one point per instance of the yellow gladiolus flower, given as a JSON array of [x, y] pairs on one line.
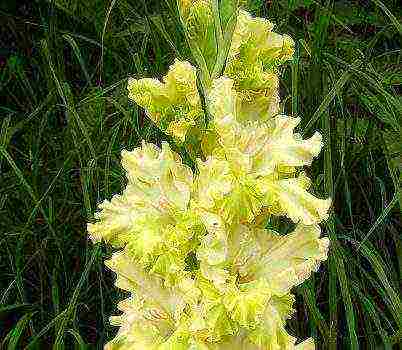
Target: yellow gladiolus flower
[[174, 104], [201, 270]]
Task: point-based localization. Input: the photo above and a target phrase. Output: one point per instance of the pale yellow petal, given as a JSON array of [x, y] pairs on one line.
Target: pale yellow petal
[[215, 180], [289, 197], [284, 148], [174, 104], [289, 260], [306, 345], [271, 333]]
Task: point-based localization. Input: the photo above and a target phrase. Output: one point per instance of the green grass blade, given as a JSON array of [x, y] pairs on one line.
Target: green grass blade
[[30, 191], [13, 307], [77, 53], [14, 336], [327, 100], [80, 342], [330, 225], [74, 299], [369, 307], [380, 268], [394, 20], [295, 78], [310, 300], [35, 339], [109, 12], [347, 300], [381, 218]]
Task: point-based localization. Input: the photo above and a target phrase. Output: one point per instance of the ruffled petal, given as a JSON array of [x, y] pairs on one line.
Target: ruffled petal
[[151, 313], [220, 190], [118, 217], [287, 261], [240, 141], [246, 27], [245, 250], [306, 345], [253, 38], [246, 304], [212, 253], [150, 217], [146, 286], [215, 181], [174, 104], [289, 197], [222, 99], [136, 330], [263, 146], [271, 333], [255, 54], [284, 148]]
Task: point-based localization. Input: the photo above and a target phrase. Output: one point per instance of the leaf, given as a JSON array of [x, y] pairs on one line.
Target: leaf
[[78, 339], [14, 336]]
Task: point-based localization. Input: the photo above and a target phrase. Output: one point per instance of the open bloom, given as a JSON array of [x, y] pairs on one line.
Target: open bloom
[[248, 313], [239, 292], [255, 165], [150, 219], [174, 104], [255, 55]]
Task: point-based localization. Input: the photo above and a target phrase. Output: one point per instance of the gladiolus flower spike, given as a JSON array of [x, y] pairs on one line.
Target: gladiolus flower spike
[[202, 270]]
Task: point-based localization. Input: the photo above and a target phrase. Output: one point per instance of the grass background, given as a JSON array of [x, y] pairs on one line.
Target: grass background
[[65, 116]]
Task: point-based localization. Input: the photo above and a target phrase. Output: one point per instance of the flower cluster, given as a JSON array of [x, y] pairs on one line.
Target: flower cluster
[[202, 269]]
